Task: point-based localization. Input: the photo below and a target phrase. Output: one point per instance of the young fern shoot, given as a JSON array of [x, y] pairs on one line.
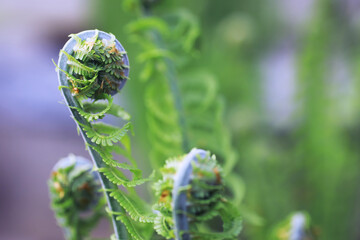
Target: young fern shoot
[[74, 190], [92, 67], [190, 194]]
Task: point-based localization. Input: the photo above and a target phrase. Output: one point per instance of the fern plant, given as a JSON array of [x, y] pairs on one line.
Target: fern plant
[[92, 67], [183, 110]]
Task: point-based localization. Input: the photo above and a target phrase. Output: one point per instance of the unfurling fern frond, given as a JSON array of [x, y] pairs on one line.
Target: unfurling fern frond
[[74, 190], [295, 227], [96, 57], [191, 190], [94, 65]]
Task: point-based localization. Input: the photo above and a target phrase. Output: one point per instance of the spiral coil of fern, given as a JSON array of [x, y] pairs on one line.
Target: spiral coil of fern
[[93, 64], [74, 190], [191, 193]]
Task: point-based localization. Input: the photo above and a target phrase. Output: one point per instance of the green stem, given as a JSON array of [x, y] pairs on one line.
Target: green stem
[[119, 228]]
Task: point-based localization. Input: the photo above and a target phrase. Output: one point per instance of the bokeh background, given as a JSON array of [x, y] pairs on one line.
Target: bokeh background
[[288, 70]]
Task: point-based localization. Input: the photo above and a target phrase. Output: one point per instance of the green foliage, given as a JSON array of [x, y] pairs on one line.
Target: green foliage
[[181, 110], [299, 163], [74, 190]]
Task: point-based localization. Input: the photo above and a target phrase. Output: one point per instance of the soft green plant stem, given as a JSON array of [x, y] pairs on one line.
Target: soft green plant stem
[[119, 228], [173, 84]]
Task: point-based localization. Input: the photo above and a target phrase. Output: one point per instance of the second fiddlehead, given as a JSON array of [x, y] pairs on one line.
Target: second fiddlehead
[[190, 193], [74, 190]]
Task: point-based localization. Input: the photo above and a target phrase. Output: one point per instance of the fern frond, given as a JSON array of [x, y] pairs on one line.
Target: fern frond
[[130, 227], [90, 116], [162, 227], [77, 67], [108, 159], [118, 178], [163, 124], [105, 140], [130, 208], [114, 110]]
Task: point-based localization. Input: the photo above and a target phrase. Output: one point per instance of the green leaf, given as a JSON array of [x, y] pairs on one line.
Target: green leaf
[[114, 110], [130, 208], [113, 136], [130, 227], [90, 115], [117, 177]]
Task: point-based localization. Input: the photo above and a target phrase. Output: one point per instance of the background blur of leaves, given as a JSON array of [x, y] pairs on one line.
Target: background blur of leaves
[[288, 72]]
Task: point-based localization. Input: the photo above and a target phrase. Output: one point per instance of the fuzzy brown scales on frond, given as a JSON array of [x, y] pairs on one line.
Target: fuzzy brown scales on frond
[[95, 67]]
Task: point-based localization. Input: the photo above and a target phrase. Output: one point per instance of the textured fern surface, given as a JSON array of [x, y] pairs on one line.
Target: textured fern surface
[[189, 194], [92, 67], [74, 191]]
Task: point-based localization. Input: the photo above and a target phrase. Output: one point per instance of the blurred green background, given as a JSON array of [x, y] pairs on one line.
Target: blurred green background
[[287, 70]]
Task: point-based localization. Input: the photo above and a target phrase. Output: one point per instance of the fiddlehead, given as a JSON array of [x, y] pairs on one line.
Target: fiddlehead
[[93, 65], [295, 227], [191, 193], [74, 190]]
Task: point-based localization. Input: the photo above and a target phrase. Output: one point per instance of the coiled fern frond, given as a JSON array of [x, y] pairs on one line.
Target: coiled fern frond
[[93, 66], [190, 193], [296, 226], [74, 191]]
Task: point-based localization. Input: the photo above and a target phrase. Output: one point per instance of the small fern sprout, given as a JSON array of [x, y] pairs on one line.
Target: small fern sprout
[[95, 64], [190, 193], [75, 196], [295, 227]]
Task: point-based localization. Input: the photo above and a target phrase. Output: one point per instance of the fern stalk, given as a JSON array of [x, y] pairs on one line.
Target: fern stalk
[[73, 104], [172, 80], [182, 179]]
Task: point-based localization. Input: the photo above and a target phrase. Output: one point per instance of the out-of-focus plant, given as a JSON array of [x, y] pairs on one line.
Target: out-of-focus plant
[[75, 196], [294, 227]]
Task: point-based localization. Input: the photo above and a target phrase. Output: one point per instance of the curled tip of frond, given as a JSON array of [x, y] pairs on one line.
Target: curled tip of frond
[[191, 190], [93, 63]]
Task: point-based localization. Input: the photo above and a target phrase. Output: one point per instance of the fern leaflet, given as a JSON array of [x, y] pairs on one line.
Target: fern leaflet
[[130, 208]]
